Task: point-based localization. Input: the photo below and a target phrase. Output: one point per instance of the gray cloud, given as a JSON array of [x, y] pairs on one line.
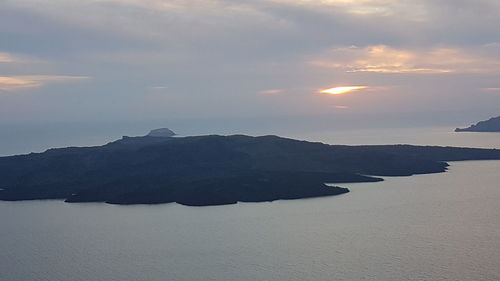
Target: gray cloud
[[217, 57]]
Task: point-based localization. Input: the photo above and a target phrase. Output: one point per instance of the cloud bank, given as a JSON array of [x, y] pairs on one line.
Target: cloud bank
[[233, 58]]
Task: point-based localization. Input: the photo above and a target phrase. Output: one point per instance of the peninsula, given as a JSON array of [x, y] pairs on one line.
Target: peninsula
[[490, 125], [213, 169]]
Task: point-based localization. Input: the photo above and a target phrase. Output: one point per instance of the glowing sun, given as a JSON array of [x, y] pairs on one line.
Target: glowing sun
[[341, 90]]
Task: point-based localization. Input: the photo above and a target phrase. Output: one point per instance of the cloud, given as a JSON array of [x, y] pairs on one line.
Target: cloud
[[271, 91], [10, 58], [491, 89], [234, 30], [6, 58], [16, 83], [408, 9], [385, 59], [342, 107]]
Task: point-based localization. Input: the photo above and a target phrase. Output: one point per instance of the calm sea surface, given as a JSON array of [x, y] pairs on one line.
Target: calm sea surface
[[426, 227]]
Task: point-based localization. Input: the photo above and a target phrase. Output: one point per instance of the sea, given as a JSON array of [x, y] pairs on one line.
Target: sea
[[443, 226]]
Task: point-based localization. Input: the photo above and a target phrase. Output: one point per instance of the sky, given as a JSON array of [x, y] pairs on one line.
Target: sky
[[263, 62]]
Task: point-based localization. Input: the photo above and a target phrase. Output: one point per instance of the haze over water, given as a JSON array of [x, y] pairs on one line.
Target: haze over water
[[19, 140], [426, 227]]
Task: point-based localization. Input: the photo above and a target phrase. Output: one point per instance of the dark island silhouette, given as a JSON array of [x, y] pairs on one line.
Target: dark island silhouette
[[213, 169], [490, 125]]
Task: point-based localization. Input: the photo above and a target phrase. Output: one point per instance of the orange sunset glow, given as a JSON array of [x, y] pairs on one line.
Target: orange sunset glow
[[341, 90]]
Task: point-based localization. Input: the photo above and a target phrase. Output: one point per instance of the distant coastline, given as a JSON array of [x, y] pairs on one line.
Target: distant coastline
[[490, 125]]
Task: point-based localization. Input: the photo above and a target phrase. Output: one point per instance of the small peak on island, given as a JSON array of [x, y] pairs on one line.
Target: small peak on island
[[161, 132], [153, 137]]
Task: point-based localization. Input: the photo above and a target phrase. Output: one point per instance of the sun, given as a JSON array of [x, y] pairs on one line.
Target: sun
[[341, 90]]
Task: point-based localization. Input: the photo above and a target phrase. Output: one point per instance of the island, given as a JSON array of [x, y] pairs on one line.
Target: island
[[491, 125], [213, 169]]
